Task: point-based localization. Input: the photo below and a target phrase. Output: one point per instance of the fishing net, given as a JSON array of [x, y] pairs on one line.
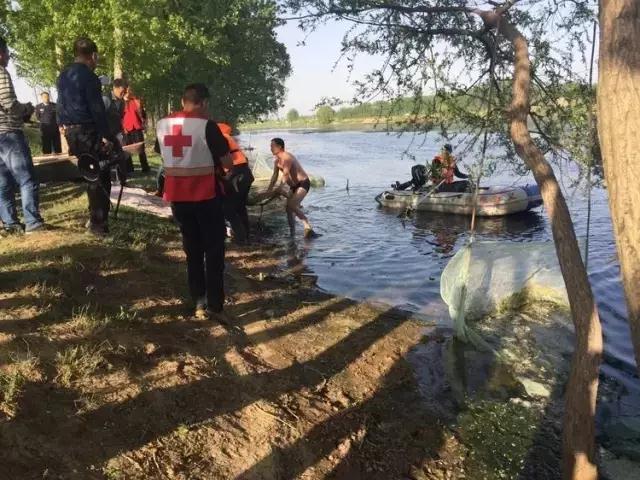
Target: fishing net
[[484, 276], [260, 168]]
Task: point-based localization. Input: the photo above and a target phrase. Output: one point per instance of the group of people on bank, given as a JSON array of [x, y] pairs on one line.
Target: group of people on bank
[[205, 173]]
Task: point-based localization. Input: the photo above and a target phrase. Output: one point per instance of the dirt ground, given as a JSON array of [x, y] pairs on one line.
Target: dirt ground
[[104, 373]]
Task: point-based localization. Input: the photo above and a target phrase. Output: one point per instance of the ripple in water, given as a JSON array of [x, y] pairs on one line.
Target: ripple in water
[[368, 253]]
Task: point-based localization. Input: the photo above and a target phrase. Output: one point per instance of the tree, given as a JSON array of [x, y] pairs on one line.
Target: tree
[[325, 115], [493, 46], [292, 115], [618, 123], [160, 46]]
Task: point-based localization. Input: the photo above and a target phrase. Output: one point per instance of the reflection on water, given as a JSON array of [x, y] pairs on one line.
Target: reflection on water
[[375, 254]]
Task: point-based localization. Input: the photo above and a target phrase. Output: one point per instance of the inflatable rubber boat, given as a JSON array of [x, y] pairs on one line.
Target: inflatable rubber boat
[[492, 201]]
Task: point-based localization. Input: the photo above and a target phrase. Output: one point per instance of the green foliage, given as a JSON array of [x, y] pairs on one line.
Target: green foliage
[[325, 115], [161, 45], [292, 115], [435, 69]]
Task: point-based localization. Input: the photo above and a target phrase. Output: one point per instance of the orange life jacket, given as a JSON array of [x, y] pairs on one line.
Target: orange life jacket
[[446, 166], [237, 155]]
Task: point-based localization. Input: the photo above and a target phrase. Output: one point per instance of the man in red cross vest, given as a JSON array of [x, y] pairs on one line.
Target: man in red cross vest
[[193, 152]]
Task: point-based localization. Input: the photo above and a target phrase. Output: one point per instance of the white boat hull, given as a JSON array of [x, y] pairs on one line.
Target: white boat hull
[[492, 201]]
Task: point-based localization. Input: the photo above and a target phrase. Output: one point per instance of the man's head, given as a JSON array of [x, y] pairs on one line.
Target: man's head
[[86, 51], [44, 96], [4, 52], [448, 148], [277, 145], [119, 88], [196, 98]]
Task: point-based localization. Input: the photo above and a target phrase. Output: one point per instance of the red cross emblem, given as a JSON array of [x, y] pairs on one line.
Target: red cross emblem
[[177, 141]]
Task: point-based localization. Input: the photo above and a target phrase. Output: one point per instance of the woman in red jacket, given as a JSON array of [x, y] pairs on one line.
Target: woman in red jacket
[[133, 124]]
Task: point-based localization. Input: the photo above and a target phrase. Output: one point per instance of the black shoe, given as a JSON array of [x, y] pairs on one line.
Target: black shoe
[[10, 230], [99, 230]]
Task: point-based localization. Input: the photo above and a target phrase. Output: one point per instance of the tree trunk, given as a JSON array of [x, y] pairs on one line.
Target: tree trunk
[[117, 52], [118, 40], [618, 125], [582, 388]]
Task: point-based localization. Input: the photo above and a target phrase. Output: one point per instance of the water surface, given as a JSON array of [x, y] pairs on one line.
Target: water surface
[[369, 253]]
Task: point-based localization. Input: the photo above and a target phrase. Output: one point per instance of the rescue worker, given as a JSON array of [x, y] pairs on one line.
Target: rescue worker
[[299, 183], [82, 115], [49, 131], [444, 170], [194, 152], [238, 181]]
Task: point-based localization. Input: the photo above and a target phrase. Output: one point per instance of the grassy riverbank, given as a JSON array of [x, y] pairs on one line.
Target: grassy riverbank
[[105, 374], [346, 124]]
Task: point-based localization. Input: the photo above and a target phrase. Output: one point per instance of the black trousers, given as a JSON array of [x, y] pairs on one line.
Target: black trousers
[[203, 234], [85, 139], [135, 137], [237, 186], [50, 139], [459, 186]]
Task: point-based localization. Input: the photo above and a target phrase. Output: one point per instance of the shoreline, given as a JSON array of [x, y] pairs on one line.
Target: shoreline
[[311, 385]]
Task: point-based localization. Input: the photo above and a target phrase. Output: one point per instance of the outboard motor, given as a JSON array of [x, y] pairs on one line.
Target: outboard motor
[[418, 179]]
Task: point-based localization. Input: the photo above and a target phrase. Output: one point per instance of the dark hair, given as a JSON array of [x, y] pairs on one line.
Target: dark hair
[[278, 141], [84, 47], [45, 93], [120, 82], [3, 44], [195, 93], [448, 147]]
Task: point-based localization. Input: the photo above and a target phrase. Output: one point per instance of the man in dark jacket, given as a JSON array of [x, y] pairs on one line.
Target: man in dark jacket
[[46, 115], [82, 114]]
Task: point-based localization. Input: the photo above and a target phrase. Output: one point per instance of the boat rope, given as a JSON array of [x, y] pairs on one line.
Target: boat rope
[[594, 139], [462, 331]]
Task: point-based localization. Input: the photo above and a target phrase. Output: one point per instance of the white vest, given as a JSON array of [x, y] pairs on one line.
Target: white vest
[[183, 146]]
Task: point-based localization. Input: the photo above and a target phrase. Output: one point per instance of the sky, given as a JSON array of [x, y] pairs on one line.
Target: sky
[[314, 73], [313, 76]]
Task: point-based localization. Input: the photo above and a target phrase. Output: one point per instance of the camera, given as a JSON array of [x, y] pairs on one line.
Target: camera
[[91, 165]]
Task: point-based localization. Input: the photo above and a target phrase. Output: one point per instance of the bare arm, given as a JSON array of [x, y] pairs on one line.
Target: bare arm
[[274, 178]]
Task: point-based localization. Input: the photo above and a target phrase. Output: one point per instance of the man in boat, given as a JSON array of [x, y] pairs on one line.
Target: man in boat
[[444, 171], [237, 181], [299, 183]]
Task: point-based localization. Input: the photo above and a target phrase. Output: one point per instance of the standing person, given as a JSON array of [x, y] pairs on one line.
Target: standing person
[[114, 104], [134, 122], [16, 164], [50, 133], [193, 153], [293, 175], [238, 181], [81, 112]]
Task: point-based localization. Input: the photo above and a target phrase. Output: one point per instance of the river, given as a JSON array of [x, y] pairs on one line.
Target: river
[[368, 253]]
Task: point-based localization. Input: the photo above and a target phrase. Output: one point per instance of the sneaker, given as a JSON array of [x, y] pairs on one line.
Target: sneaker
[[40, 227], [201, 313], [16, 229]]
